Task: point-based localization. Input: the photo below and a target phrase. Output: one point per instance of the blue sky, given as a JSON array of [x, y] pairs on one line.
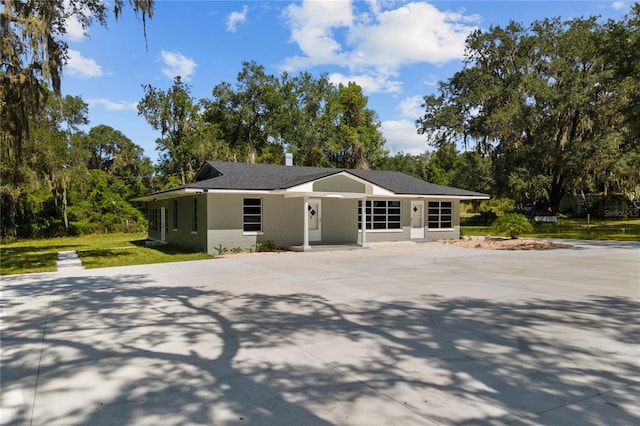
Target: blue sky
[[396, 50]]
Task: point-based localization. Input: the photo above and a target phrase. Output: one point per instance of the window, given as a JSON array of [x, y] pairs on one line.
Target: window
[[439, 215], [380, 215], [154, 219], [252, 215], [175, 215], [194, 219]]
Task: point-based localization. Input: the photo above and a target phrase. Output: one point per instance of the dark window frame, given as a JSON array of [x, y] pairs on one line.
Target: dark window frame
[[175, 215], [154, 219], [381, 215], [194, 218], [440, 215], [252, 218]]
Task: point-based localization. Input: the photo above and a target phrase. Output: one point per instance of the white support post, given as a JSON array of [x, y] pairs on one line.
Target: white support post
[[305, 240], [363, 224]]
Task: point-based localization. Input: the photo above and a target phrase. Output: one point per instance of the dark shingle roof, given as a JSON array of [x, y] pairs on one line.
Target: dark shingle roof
[[245, 176]]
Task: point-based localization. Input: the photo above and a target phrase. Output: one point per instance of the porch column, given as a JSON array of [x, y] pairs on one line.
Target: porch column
[[363, 224], [305, 214]]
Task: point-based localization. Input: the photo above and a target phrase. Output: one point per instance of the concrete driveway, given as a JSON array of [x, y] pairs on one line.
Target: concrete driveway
[[398, 334]]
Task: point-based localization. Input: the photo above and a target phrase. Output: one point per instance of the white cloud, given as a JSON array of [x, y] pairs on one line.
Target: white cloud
[[312, 24], [373, 83], [113, 106], [235, 18], [177, 64], [412, 33], [401, 135], [373, 41], [79, 66], [73, 27], [618, 5], [410, 107]]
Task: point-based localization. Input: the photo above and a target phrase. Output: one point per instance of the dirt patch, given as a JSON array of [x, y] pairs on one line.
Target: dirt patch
[[497, 243]]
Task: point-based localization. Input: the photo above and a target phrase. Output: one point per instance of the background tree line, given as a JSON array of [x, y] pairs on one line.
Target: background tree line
[[553, 107], [541, 111], [258, 118]]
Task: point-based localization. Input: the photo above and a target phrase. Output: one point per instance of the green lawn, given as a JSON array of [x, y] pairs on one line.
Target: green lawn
[[598, 229], [95, 251]]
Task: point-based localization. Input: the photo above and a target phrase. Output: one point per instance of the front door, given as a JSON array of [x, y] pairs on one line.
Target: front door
[[315, 219], [417, 220]]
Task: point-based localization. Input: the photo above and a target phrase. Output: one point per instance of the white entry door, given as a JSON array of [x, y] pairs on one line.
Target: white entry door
[[417, 219], [315, 219]]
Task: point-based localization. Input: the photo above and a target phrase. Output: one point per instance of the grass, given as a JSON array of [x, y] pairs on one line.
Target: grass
[[577, 229], [105, 250], [95, 251]]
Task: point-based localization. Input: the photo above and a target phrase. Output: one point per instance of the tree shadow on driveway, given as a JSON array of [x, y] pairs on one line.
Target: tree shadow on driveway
[[126, 350]]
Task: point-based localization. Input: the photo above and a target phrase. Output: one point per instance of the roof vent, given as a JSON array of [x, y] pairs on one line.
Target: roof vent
[[288, 159]]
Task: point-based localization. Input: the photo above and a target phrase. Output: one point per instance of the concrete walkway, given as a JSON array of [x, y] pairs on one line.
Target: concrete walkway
[[68, 261], [399, 334]]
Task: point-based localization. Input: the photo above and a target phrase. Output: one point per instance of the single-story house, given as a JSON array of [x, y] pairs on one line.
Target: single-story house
[[239, 204]]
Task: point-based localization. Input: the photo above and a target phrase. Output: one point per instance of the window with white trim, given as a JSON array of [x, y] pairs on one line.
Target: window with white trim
[[154, 219], [440, 215], [252, 214], [380, 215], [194, 219]]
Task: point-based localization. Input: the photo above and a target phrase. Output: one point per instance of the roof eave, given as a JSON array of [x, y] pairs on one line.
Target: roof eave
[[170, 193]]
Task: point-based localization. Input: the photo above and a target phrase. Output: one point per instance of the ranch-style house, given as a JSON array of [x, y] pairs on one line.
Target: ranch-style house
[[239, 204]]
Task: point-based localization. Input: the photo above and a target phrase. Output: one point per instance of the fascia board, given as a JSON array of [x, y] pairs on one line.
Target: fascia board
[[446, 197]]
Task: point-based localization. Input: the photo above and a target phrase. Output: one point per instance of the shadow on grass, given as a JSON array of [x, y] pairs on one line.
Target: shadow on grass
[[138, 254], [129, 349], [26, 259], [169, 249]]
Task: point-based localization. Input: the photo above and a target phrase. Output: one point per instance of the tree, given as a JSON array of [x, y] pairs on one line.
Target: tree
[[306, 121], [112, 152], [538, 100], [414, 165], [175, 114], [32, 55], [359, 142], [247, 112], [323, 125], [473, 172]]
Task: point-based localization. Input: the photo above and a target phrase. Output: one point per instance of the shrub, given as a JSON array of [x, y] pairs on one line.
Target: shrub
[[499, 206], [265, 246], [221, 249], [512, 224]]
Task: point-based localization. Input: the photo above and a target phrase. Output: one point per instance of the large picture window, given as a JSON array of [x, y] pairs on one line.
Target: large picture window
[[252, 215], [380, 215], [439, 215]]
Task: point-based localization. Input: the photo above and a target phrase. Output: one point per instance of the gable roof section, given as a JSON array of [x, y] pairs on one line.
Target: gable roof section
[[401, 183], [219, 175]]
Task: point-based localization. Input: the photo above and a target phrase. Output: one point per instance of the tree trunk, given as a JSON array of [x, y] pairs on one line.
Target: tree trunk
[[64, 205], [556, 194]]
